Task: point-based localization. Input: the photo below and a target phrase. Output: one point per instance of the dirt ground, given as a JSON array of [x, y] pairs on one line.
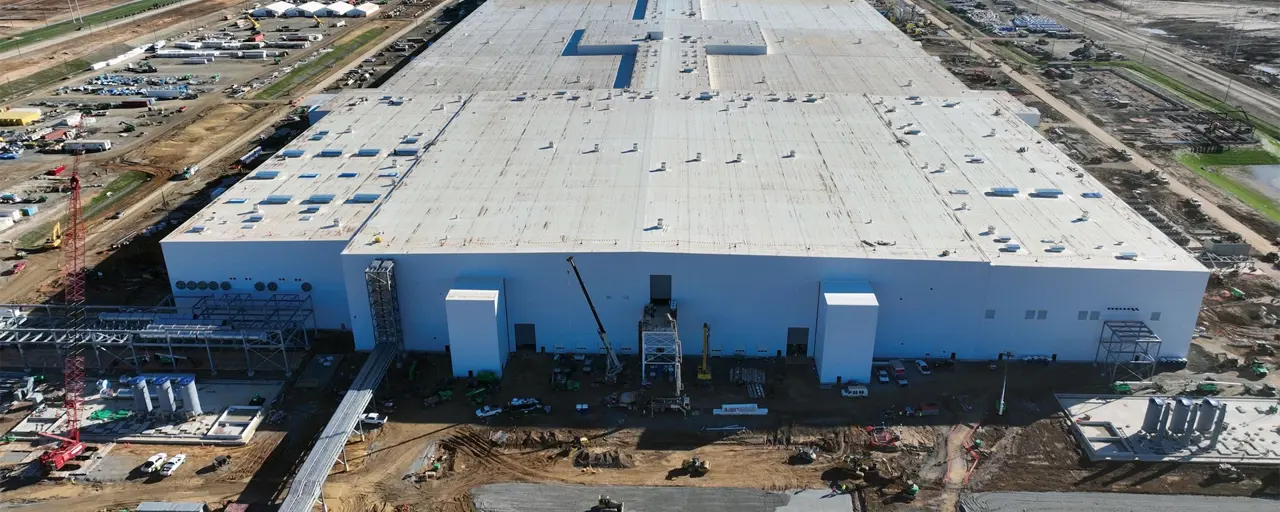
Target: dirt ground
[[1212, 26], [22, 15]]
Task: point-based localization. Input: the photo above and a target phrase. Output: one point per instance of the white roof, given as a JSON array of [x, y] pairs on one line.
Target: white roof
[[537, 84], [277, 7], [367, 7], [309, 6], [339, 7]]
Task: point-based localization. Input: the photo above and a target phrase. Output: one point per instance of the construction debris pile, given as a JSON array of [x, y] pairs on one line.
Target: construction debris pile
[[752, 378]]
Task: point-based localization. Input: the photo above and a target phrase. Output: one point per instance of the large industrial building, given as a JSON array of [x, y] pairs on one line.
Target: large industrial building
[[796, 174]]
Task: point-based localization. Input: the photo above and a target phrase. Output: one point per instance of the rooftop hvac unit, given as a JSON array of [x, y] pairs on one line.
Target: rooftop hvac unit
[[1004, 191]]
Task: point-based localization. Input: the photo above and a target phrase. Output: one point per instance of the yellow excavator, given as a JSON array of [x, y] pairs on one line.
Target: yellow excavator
[[319, 23], [55, 237], [704, 370], [257, 27]]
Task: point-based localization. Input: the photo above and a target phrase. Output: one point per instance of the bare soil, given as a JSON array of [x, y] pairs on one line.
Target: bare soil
[[22, 15]]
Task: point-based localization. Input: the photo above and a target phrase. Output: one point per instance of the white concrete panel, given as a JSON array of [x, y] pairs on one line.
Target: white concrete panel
[[846, 335], [477, 326], [288, 264]]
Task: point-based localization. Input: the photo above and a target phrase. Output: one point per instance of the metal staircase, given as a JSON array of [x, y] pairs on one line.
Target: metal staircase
[[384, 304]]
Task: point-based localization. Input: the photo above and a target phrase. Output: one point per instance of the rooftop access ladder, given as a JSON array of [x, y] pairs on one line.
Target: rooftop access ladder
[[614, 367]]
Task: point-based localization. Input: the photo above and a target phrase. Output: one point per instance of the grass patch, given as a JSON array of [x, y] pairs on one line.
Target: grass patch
[[1231, 157], [305, 72], [65, 27], [1191, 94], [1256, 200], [26, 84]]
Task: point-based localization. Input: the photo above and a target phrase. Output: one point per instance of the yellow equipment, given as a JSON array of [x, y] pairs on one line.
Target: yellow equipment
[[55, 237], [704, 370], [318, 22], [257, 27]]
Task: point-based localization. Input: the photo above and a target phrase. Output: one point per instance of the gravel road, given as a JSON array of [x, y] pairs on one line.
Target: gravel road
[[574, 498], [1106, 502]]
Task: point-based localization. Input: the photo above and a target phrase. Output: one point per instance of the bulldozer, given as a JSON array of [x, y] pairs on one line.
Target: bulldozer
[[607, 504], [55, 237], [695, 467]]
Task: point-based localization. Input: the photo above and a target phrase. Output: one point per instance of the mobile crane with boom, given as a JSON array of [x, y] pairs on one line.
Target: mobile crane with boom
[[613, 367]]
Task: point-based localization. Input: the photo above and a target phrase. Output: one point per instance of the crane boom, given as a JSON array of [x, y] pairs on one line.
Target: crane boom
[[614, 367]]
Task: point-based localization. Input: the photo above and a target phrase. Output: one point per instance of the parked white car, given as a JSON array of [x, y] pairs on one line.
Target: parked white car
[[374, 419], [882, 376], [923, 367], [173, 464], [486, 411], [153, 463]]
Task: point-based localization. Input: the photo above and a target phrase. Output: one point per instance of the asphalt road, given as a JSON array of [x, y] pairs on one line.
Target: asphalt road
[[1106, 502], [575, 498], [1253, 238]]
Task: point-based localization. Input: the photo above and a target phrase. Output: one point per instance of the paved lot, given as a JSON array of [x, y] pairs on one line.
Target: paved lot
[[566, 498], [1105, 502]]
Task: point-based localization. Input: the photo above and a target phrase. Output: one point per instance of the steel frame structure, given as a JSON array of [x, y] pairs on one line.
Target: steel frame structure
[[384, 302], [261, 328], [660, 346], [1130, 348]]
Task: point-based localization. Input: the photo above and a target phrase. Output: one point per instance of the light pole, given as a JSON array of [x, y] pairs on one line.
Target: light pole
[[1004, 385]]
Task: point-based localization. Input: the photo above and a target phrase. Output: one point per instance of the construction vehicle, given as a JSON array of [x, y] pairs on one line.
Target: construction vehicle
[[803, 455], [319, 24], [1259, 368], [66, 451], [54, 240], [624, 400], [704, 369], [883, 439], [607, 504], [695, 467], [440, 397], [128, 127], [257, 28], [909, 492], [613, 366]]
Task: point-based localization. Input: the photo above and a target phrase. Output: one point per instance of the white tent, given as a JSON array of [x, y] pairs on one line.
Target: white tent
[[363, 10], [272, 10], [308, 9], [336, 9]]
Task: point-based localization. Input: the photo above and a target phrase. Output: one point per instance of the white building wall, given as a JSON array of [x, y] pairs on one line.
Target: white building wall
[[476, 322], [846, 333], [287, 263], [927, 308]]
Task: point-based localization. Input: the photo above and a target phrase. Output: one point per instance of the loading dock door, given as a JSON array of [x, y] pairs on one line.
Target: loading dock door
[[798, 341], [526, 339], [659, 288]]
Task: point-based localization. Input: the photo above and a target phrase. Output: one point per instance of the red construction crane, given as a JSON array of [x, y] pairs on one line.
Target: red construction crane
[[73, 269]]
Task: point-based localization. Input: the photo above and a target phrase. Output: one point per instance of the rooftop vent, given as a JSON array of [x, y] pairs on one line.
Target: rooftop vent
[[277, 199], [406, 151], [368, 152], [1092, 195], [1056, 248], [1011, 247], [331, 153], [198, 228], [257, 217], [1004, 191], [365, 198], [265, 175], [237, 200], [1047, 192], [308, 175], [347, 175], [1003, 239], [293, 153], [320, 199], [1127, 256]]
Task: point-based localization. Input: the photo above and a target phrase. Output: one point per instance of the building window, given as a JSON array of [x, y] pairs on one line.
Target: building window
[[1042, 314], [1083, 315], [991, 314], [1093, 315], [1155, 317], [1031, 315]]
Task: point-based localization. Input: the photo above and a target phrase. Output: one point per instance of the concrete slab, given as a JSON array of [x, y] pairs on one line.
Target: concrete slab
[[216, 396], [1109, 427], [559, 498]]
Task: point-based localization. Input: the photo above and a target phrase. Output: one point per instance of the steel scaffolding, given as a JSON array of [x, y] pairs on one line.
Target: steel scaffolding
[[660, 344], [262, 328], [384, 304], [1129, 348]]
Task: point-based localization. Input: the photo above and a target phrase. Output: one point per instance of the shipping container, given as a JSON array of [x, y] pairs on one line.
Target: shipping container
[[87, 146], [55, 135], [29, 211], [57, 170], [136, 103]]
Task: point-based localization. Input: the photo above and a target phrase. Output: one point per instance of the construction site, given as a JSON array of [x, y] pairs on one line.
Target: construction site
[[352, 374]]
